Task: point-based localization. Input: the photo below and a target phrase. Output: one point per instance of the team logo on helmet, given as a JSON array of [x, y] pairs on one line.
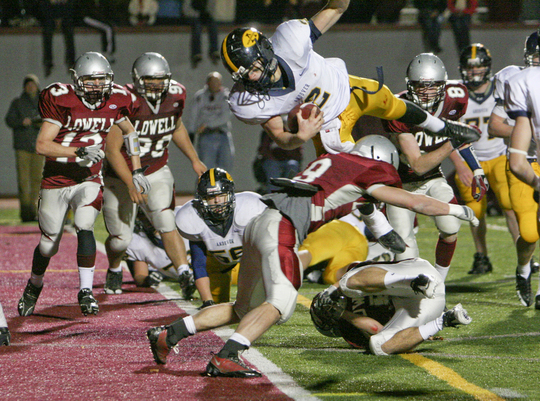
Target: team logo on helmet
[[250, 38]]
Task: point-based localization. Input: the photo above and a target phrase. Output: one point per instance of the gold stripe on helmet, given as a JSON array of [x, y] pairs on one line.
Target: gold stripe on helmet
[[473, 52], [212, 177], [229, 177], [226, 55]]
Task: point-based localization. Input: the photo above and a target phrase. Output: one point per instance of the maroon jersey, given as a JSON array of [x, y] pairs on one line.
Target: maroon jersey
[[155, 126], [452, 107], [79, 126], [343, 180]]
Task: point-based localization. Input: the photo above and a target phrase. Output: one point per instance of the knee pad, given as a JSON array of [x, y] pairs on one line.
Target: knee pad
[[48, 245], [118, 244]]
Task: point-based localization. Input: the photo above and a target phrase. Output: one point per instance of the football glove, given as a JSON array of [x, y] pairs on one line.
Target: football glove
[[457, 132], [480, 185], [463, 213], [140, 181], [91, 153]]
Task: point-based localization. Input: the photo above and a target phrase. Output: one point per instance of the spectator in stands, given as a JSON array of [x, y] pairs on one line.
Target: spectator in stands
[[49, 11], [210, 123], [430, 18], [199, 14], [274, 162], [23, 117], [461, 12], [92, 13]]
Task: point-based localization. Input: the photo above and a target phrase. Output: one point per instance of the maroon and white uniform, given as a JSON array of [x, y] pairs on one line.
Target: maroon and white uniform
[[431, 183], [74, 182], [270, 269], [79, 127], [155, 125]]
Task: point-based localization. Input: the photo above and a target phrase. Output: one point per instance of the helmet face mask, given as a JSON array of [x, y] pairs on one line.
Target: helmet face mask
[[248, 55], [151, 76], [426, 81], [215, 199], [92, 77], [475, 65], [531, 53], [377, 147]]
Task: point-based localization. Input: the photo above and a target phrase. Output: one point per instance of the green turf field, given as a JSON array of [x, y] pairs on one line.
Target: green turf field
[[496, 357]]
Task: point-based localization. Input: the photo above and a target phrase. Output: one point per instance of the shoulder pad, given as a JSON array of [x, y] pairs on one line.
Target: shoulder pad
[[189, 222], [248, 206]]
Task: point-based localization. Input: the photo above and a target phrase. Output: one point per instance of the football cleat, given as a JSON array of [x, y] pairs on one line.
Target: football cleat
[[158, 344], [187, 284], [481, 264], [28, 301], [87, 302], [456, 316], [523, 288], [457, 132], [537, 302], [5, 336], [393, 242], [229, 367], [113, 283], [424, 284]]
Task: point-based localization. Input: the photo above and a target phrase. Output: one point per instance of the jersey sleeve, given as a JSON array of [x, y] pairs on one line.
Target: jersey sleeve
[[458, 96], [295, 37], [189, 223], [516, 93], [249, 205], [49, 108]]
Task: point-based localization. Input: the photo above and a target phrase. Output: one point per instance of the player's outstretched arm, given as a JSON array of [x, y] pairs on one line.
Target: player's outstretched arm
[[330, 14], [423, 204]]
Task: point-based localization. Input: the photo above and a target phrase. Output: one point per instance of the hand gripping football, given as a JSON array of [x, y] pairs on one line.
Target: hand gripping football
[[292, 119]]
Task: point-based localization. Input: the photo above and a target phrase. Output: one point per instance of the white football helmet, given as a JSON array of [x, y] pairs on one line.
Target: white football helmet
[[93, 77], [426, 81], [377, 147], [151, 66]]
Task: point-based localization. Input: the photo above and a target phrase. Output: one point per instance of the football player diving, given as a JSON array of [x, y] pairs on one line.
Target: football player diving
[[272, 75], [271, 268], [76, 121], [157, 116]]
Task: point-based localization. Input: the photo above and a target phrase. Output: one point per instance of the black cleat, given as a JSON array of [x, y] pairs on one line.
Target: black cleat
[[187, 284], [456, 316], [393, 242], [229, 367], [87, 302], [28, 301], [113, 283], [481, 264], [158, 344], [152, 280], [5, 336], [523, 288], [206, 304], [537, 302], [424, 284]]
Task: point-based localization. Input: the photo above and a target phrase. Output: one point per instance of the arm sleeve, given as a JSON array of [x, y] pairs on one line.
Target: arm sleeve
[[470, 158], [198, 259], [315, 33]]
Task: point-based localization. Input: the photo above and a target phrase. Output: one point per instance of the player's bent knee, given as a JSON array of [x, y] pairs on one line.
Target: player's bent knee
[[118, 244], [164, 221]]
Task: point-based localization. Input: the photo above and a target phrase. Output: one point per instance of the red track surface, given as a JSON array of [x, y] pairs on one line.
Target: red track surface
[[58, 354]]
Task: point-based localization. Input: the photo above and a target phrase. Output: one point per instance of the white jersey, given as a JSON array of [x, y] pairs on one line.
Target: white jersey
[[228, 249], [522, 98], [478, 112], [323, 81], [500, 80], [144, 250]]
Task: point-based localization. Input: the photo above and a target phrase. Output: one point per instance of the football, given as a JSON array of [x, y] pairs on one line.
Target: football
[[292, 120]]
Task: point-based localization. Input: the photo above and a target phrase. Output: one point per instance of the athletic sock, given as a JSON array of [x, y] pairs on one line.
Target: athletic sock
[[177, 331], [36, 279], [431, 328], [117, 269], [231, 349], [443, 271], [524, 270]]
